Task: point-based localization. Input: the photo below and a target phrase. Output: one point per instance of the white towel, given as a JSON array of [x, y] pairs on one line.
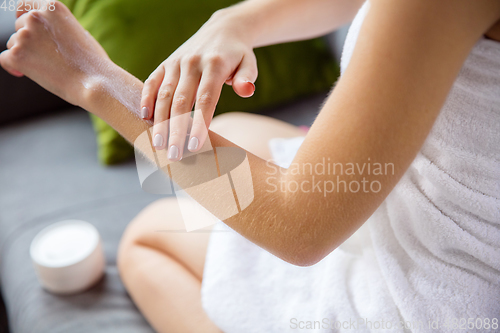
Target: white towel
[[433, 260]]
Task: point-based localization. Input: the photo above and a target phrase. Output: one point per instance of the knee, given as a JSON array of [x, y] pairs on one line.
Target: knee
[[125, 257], [226, 121], [137, 234], [229, 117], [235, 118], [238, 127]]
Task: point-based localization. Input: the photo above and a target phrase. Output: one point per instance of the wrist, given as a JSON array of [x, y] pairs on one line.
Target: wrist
[[241, 20], [114, 95], [92, 94], [90, 85], [110, 85]]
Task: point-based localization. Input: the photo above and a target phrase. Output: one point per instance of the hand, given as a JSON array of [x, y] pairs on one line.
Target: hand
[[220, 52], [52, 48]]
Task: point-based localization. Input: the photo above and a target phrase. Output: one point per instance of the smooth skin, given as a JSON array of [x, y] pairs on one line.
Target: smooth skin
[[406, 59]]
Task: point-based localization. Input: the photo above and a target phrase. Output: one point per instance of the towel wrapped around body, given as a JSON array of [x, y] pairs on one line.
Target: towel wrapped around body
[[428, 260]]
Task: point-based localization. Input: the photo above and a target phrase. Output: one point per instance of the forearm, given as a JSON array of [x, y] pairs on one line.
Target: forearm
[[277, 21], [267, 221], [114, 95]]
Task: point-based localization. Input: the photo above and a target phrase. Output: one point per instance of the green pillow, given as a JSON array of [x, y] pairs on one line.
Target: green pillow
[[139, 35]]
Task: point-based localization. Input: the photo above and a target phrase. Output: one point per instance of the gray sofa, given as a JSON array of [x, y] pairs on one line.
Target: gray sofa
[[49, 172]]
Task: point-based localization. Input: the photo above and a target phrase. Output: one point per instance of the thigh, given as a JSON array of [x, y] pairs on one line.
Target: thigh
[[252, 132], [160, 226]]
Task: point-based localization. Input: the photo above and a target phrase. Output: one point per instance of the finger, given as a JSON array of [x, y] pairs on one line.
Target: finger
[[245, 76], [23, 9], [208, 95], [12, 40], [27, 6], [162, 107], [180, 114], [6, 63], [20, 22], [150, 91], [229, 80]]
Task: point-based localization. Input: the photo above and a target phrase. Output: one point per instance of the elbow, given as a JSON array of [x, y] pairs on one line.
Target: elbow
[[302, 238], [305, 261], [306, 255], [305, 244], [308, 247]]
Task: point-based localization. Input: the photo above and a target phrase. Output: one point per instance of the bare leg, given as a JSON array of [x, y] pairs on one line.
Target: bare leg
[[161, 270], [253, 132]]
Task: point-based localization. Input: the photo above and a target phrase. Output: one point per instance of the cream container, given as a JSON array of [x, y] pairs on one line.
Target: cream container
[[68, 256]]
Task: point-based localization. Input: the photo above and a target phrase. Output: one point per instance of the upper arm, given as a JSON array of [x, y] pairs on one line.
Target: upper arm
[[405, 61]]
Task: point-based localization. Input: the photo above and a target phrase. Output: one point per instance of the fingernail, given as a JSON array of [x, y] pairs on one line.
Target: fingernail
[[193, 143], [158, 140], [253, 87], [144, 112], [173, 153]]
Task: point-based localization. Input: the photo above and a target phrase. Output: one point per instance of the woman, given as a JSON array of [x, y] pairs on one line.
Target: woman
[[419, 90]]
